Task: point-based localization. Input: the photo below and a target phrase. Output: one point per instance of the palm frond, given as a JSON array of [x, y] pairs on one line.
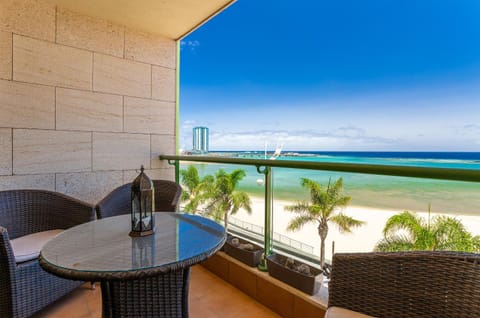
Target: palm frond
[[342, 201], [236, 176], [214, 210], [207, 180], [220, 196], [299, 221], [451, 234], [241, 200], [345, 223], [476, 244], [185, 196], [196, 191], [314, 187], [190, 178], [334, 190], [192, 206], [298, 207], [406, 221], [439, 233], [394, 244]]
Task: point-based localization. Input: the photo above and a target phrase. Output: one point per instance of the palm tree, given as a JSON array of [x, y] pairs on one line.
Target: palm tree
[[407, 231], [193, 188], [222, 197], [322, 209]]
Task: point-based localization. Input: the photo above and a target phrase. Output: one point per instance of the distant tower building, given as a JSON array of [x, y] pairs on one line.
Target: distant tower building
[[200, 139]]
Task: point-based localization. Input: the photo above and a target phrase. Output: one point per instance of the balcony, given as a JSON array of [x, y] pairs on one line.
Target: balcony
[[89, 93], [245, 287]]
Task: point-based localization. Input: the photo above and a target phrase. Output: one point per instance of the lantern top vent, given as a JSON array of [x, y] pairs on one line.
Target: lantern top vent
[[142, 182]]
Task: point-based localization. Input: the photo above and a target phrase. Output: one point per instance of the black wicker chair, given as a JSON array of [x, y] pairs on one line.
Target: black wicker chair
[[407, 284], [117, 202], [25, 287]]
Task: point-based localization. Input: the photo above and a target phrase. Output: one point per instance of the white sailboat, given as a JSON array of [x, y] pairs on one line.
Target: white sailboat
[[278, 151], [276, 154]]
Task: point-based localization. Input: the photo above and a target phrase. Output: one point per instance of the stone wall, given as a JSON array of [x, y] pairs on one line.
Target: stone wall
[[83, 102]]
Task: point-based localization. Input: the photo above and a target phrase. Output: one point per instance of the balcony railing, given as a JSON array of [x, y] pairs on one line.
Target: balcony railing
[[265, 167]]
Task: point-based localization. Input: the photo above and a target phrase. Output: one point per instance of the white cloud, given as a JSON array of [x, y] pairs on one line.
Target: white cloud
[[188, 124], [469, 134], [340, 139], [470, 129], [350, 131], [191, 45]]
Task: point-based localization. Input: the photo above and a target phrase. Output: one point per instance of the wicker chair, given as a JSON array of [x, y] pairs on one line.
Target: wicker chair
[[25, 287], [407, 284], [117, 202]]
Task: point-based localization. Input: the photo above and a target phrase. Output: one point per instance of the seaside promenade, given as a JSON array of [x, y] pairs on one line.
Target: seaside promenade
[[362, 239]]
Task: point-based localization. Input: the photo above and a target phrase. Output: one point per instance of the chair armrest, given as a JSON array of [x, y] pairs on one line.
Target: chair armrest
[[7, 259]]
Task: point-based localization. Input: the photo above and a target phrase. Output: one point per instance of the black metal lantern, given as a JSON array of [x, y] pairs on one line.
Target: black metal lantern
[[143, 205]]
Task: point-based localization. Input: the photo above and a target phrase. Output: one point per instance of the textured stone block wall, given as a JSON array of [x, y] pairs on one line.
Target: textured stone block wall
[[83, 102]]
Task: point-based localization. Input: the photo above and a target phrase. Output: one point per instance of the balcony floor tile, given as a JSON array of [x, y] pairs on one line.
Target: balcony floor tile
[[210, 297]]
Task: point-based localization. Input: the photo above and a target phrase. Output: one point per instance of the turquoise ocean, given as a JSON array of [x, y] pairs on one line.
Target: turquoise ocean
[[384, 192]]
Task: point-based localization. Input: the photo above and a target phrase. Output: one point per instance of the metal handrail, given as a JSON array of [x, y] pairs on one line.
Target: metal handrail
[[264, 167], [469, 175]]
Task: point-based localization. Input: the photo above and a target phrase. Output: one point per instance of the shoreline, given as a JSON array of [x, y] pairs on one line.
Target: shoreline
[[362, 239]]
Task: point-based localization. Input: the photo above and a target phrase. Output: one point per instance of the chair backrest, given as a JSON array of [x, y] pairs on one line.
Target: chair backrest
[[25, 212], [407, 284], [167, 195], [118, 202]]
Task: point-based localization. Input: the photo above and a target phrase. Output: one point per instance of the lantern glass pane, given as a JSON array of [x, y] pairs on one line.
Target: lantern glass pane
[[147, 212], [136, 216]]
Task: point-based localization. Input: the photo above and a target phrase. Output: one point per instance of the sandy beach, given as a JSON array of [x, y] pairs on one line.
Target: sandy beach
[[362, 239]]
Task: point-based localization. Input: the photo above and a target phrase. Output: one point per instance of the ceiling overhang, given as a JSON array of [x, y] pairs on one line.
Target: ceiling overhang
[[172, 19]]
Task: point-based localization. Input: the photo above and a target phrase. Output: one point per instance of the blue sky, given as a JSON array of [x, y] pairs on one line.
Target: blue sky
[[376, 75]]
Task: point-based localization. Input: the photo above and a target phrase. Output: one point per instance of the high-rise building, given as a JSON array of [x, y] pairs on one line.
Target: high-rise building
[[200, 139]]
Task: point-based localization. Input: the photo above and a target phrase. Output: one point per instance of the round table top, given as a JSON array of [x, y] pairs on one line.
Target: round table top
[[103, 250]]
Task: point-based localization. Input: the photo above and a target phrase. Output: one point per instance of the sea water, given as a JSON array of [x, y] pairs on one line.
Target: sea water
[[384, 192]]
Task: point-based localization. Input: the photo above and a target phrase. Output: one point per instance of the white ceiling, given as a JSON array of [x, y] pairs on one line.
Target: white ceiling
[[170, 18]]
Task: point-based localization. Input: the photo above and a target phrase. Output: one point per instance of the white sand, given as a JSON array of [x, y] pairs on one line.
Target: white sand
[[363, 239]]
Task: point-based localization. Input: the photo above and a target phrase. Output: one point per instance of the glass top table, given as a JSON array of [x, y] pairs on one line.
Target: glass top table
[[103, 251]]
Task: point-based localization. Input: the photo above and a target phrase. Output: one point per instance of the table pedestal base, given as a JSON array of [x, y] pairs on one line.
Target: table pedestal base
[[165, 295]]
